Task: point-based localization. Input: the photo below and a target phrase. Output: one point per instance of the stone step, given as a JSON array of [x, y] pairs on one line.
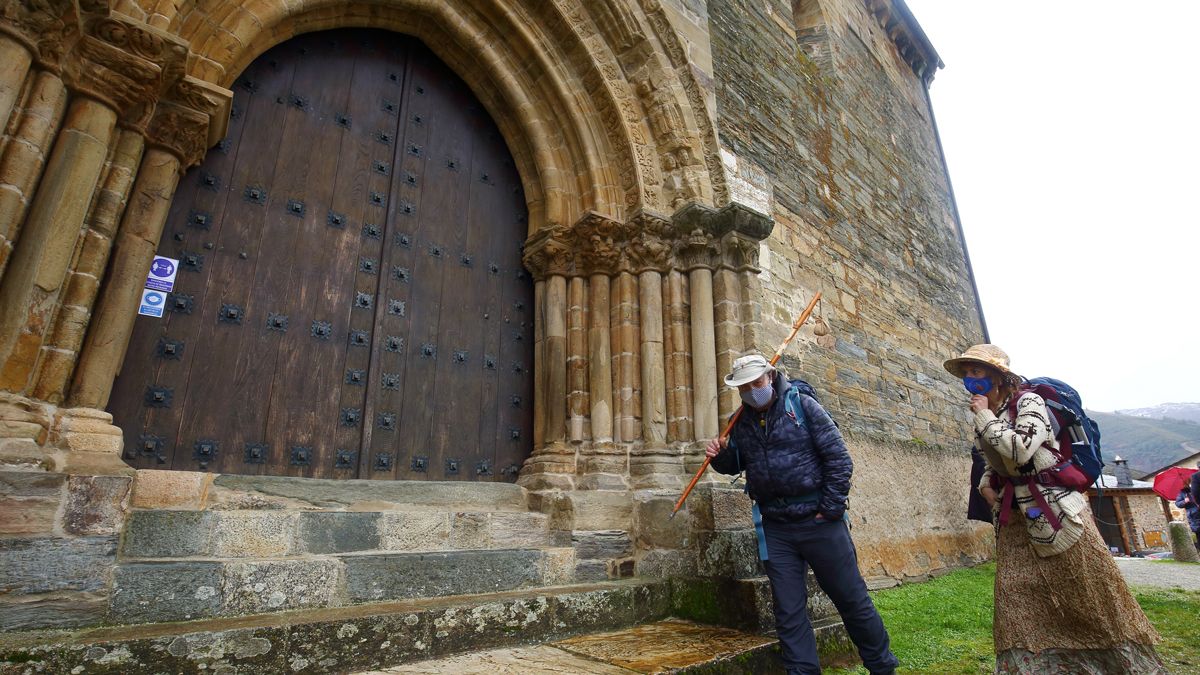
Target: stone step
[[271, 534], [345, 639], [670, 646], [158, 590], [362, 495]]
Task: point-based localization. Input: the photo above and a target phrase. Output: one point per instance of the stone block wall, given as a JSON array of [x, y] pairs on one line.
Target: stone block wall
[[862, 211], [1146, 514], [823, 104], [58, 547]]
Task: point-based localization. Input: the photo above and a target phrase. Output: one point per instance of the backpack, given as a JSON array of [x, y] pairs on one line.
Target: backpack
[[792, 402], [1078, 435]]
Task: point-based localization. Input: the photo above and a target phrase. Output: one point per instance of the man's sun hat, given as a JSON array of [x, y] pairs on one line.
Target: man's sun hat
[[747, 369], [987, 355]]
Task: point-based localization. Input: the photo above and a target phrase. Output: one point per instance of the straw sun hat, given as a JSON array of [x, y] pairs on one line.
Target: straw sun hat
[[987, 355]]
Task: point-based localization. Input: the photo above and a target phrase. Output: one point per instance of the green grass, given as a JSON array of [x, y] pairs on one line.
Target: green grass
[[945, 625]]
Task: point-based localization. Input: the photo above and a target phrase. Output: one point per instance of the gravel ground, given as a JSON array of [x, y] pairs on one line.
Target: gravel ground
[[1160, 573]]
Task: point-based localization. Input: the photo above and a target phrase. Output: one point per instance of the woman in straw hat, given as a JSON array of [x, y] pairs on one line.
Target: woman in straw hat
[[1061, 603]]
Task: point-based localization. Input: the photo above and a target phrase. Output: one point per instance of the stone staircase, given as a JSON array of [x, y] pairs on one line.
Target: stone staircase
[[279, 575], [400, 542]]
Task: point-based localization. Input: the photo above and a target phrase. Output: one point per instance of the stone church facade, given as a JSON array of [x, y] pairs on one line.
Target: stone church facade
[[670, 181]]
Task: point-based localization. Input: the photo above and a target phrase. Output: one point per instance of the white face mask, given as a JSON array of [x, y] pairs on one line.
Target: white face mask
[[758, 397]]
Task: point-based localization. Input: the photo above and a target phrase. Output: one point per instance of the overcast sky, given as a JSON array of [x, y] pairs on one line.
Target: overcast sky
[[1070, 131]]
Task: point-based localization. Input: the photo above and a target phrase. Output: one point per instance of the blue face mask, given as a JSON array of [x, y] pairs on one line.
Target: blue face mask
[[758, 397], [978, 385]]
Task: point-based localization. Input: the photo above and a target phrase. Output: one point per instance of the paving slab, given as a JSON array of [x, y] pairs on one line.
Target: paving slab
[[519, 661]]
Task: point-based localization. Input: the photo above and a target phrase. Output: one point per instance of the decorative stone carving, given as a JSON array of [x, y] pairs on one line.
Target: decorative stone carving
[[696, 236], [183, 124], [45, 27]]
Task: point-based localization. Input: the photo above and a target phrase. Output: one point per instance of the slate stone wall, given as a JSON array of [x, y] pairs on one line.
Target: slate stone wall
[[862, 211], [840, 124]]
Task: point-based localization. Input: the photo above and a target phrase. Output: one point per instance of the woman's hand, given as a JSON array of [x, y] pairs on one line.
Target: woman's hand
[[714, 448], [989, 495], [979, 403]]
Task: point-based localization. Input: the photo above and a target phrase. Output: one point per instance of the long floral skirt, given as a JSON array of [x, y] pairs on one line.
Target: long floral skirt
[[1069, 613]]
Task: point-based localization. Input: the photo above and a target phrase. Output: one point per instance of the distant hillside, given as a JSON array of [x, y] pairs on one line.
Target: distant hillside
[[1147, 443], [1189, 412]]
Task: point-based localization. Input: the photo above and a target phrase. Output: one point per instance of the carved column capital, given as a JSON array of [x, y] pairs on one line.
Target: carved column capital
[[599, 241], [126, 64], [191, 117], [650, 241], [549, 253], [46, 28]]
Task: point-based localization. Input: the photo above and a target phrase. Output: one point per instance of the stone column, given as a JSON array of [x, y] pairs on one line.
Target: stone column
[[577, 360], [136, 242], [553, 463], [83, 282], [555, 357], [38, 266], [626, 354], [25, 154], [178, 136], [599, 363], [679, 358], [15, 59], [704, 361], [727, 319], [654, 401]]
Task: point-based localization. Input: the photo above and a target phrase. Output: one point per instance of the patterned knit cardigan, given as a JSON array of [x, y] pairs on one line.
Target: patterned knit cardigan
[[1008, 444]]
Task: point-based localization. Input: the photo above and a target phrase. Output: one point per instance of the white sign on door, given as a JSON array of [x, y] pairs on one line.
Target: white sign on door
[[152, 303]]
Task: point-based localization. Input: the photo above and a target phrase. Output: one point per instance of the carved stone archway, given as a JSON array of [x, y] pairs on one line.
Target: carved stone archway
[[645, 275]]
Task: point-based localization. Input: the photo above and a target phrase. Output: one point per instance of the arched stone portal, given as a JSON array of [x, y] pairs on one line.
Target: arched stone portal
[[644, 272]]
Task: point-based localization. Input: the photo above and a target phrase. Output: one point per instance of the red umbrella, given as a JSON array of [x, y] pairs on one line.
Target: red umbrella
[[1168, 483]]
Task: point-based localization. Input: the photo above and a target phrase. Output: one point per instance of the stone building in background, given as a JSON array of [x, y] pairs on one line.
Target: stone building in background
[[506, 243]]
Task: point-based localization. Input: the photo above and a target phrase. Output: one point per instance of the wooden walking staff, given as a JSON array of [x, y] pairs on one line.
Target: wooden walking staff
[[733, 420]]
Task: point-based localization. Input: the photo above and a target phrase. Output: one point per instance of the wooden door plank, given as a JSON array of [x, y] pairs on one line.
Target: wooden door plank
[[224, 394], [364, 168], [304, 369]]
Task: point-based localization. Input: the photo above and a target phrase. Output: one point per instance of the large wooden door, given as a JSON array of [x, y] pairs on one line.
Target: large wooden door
[[350, 301]]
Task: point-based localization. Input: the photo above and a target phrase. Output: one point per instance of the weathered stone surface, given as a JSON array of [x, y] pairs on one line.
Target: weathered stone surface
[[601, 545], [341, 639], [653, 525], [558, 566], [366, 642], [469, 530], [337, 532], [518, 530], [154, 489], [414, 531], [731, 509], [31, 484], [591, 570], [70, 610], [49, 564], [96, 504], [1182, 542], [513, 661], [371, 578], [416, 494], [251, 534], [664, 563], [275, 585], [468, 627], [671, 646], [168, 534], [29, 501], [729, 553], [172, 591]]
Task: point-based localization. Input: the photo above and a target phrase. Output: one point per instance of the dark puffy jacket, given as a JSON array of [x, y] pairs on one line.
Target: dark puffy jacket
[[1185, 502], [791, 458]]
